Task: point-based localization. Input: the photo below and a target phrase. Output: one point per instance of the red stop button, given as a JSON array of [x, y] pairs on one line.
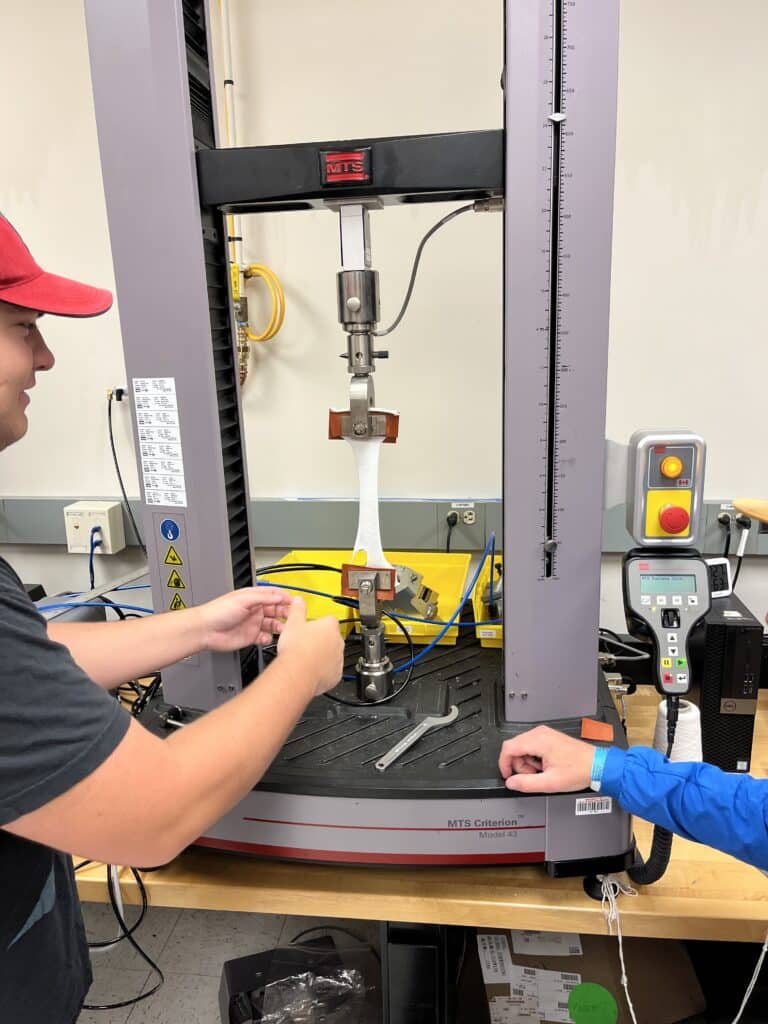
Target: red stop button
[[674, 519]]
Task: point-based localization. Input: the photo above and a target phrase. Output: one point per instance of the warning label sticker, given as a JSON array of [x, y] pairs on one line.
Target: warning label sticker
[[176, 604], [175, 582], [173, 557]]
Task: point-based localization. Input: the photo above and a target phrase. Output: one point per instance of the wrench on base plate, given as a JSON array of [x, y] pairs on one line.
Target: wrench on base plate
[[426, 725]]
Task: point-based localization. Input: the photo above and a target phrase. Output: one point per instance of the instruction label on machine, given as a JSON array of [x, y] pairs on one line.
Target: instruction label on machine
[[157, 423]]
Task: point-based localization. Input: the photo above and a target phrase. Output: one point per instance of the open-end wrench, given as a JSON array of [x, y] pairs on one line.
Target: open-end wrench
[[426, 725]]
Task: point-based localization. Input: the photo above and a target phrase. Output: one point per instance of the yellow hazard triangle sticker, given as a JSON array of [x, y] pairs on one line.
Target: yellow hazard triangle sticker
[[175, 582], [172, 557], [176, 604]]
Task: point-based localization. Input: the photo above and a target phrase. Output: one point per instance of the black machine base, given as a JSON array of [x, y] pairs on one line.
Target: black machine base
[[333, 748]]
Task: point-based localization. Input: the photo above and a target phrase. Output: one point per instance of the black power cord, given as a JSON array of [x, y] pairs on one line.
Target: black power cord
[[117, 395], [127, 934], [452, 520], [745, 524], [724, 519]]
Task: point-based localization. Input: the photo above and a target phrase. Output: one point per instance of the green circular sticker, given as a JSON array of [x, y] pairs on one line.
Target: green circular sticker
[[592, 1004]]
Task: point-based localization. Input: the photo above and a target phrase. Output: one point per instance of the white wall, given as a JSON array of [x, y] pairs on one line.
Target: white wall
[[50, 188], [688, 327], [691, 217], [352, 70]]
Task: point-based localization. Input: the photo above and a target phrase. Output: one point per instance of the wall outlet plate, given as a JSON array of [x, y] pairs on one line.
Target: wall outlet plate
[[82, 516]]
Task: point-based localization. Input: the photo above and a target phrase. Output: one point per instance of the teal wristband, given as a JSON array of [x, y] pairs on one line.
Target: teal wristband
[[598, 767]]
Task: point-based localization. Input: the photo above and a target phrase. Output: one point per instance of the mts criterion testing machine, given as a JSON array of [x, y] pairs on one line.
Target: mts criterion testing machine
[[168, 187]]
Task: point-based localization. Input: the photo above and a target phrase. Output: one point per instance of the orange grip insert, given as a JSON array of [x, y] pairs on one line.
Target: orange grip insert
[[592, 730]]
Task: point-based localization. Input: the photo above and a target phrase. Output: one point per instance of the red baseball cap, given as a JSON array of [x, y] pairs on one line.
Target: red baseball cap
[[25, 284]]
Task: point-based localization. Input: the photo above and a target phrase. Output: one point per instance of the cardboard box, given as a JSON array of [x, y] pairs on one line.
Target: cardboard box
[[662, 983]]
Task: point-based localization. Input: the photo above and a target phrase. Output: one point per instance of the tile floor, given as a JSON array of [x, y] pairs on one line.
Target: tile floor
[[190, 947]]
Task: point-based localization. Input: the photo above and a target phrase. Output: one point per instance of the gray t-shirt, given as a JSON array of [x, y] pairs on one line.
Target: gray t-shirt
[[56, 727]]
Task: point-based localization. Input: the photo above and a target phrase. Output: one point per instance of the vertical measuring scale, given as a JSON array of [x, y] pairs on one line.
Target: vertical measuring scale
[[556, 256], [560, 122]]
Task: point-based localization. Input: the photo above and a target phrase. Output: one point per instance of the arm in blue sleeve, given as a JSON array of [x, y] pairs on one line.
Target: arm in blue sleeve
[[697, 801]]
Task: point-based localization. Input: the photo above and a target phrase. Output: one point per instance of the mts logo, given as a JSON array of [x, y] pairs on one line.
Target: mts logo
[[459, 823], [337, 167]]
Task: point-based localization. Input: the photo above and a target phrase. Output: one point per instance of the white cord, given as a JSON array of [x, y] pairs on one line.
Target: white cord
[[753, 982], [612, 887], [114, 872], [744, 537]]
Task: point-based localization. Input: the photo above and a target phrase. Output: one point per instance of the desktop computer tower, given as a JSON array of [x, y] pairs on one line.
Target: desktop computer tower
[[729, 655]]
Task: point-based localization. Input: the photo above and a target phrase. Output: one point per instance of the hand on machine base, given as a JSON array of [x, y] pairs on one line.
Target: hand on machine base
[[546, 761]]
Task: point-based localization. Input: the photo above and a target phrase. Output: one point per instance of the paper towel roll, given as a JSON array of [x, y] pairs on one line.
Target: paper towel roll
[[687, 745]]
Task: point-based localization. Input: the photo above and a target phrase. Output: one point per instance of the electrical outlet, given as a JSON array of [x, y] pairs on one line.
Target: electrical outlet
[[82, 516], [468, 532]]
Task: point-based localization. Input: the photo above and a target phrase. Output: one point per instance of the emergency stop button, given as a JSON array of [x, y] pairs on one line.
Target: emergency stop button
[[674, 519], [671, 467]]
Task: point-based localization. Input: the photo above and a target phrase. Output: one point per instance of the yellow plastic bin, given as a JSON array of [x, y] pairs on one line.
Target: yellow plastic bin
[[443, 572], [316, 580], [488, 635]]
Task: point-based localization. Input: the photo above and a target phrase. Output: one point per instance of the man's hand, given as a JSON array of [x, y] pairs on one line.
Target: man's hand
[[319, 644], [546, 761], [252, 615]]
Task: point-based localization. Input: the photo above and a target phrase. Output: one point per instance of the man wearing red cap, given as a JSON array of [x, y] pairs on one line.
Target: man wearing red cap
[[67, 747]]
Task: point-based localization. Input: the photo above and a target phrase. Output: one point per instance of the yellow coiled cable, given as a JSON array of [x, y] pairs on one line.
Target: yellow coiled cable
[[278, 301]]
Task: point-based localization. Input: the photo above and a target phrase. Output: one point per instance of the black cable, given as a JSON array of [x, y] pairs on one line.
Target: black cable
[[337, 928], [735, 579], [116, 608], [673, 709], [611, 633], [727, 547], [149, 692], [127, 935], [417, 258], [395, 693], [607, 637], [280, 567], [124, 934], [126, 504], [82, 864], [452, 519], [366, 703], [661, 846]]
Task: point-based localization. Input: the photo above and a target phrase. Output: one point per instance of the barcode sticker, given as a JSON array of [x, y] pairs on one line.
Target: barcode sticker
[[528, 943], [594, 805], [545, 993], [504, 1010]]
